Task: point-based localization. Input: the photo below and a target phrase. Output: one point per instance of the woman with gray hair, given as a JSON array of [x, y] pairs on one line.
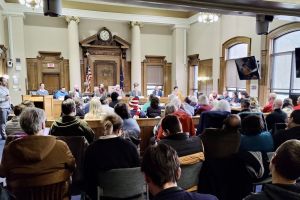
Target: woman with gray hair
[[222, 105], [36, 154], [203, 105]]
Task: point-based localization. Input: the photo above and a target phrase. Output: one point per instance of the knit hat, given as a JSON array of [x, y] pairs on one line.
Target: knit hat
[[134, 103]]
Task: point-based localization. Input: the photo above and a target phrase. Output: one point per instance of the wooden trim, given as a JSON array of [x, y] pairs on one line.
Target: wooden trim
[[267, 44], [193, 60], [226, 45], [152, 60]]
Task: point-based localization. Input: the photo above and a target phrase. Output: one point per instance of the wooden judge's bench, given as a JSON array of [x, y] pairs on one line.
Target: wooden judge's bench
[[51, 106]]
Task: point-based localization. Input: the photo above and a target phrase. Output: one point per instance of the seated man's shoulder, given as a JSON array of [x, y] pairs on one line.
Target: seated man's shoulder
[[257, 196], [197, 196]]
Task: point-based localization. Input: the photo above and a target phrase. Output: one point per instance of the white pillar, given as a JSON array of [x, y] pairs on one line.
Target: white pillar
[[16, 50], [74, 55], [179, 65], [136, 71], [2, 39]]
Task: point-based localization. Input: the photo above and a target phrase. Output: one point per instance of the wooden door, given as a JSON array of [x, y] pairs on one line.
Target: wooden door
[[51, 82], [105, 72], [205, 84]]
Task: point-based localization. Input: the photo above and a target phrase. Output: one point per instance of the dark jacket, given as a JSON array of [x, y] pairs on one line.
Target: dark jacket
[[183, 144], [277, 192], [176, 193], [72, 126], [106, 154], [283, 135], [153, 112], [277, 116], [113, 103], [220, 143], [226, 178]]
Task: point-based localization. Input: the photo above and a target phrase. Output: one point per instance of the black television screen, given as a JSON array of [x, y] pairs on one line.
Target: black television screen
[[297, 55], [247, 68]]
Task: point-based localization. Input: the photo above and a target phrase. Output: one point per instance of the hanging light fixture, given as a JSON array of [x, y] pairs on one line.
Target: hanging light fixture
[[34, 4], [208, 18]]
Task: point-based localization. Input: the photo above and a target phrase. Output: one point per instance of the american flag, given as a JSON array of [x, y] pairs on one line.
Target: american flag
[[88, 78]]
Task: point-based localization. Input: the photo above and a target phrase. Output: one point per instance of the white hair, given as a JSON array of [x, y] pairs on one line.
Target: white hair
[[203, 100], [277, 103], [194, 99], [222, 105], [31, 120]]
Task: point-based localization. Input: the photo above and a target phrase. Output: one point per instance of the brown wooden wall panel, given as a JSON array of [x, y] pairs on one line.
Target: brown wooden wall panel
[[127, 77], [44, 68], [168, 79], [32, 76]]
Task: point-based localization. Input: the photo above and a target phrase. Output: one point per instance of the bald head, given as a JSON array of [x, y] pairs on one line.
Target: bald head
[[232, 122], [277, 104]]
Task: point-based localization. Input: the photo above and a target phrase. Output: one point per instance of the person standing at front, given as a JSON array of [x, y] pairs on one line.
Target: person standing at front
[[4, 105]]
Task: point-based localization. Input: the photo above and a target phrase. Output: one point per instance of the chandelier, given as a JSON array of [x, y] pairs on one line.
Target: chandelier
[[34, 4], [208, 18]]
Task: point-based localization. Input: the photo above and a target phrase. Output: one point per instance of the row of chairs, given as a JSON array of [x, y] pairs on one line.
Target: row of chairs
[[116, 183]]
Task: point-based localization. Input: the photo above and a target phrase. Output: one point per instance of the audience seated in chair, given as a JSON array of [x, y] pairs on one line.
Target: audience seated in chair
[[114, 99], [162, 171], [245, 105], [269, 106], [185, 119], [214, 118], [203, 105], [154, 110], [130, 126], [79, 111], [187, 107], [104, 105], [277, 115], [35, 160], [222, 142], [110, 151], [69, 124], [288, 106], [13, 126], [95, 111], [253, 137], [292, 131], [181, 142], [147, 104], [134, 108], [285, 169]]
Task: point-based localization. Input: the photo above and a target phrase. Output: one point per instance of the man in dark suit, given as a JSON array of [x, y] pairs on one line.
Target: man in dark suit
[[157, 92], [277, 116], [292, 131]]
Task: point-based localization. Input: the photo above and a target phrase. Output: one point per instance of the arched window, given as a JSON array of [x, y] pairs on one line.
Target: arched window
[[233, 82], [283, 65], [232, 49]]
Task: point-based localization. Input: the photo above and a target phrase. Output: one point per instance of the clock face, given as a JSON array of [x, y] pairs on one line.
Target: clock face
[[104, 35]]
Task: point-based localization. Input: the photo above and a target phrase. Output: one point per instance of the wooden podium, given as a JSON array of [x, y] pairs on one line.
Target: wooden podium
[[43, 102]]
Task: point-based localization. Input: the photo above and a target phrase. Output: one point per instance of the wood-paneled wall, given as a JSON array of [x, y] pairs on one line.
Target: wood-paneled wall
[[3, 60], [49, 68]]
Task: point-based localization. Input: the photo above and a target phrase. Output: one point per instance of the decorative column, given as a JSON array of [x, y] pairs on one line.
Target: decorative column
[[18, 73], [74, 55], [2, 40], [136, 71], [179, 64]]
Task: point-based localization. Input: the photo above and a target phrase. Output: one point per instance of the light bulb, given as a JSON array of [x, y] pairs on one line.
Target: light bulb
[[22, 2], [216, 18]]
